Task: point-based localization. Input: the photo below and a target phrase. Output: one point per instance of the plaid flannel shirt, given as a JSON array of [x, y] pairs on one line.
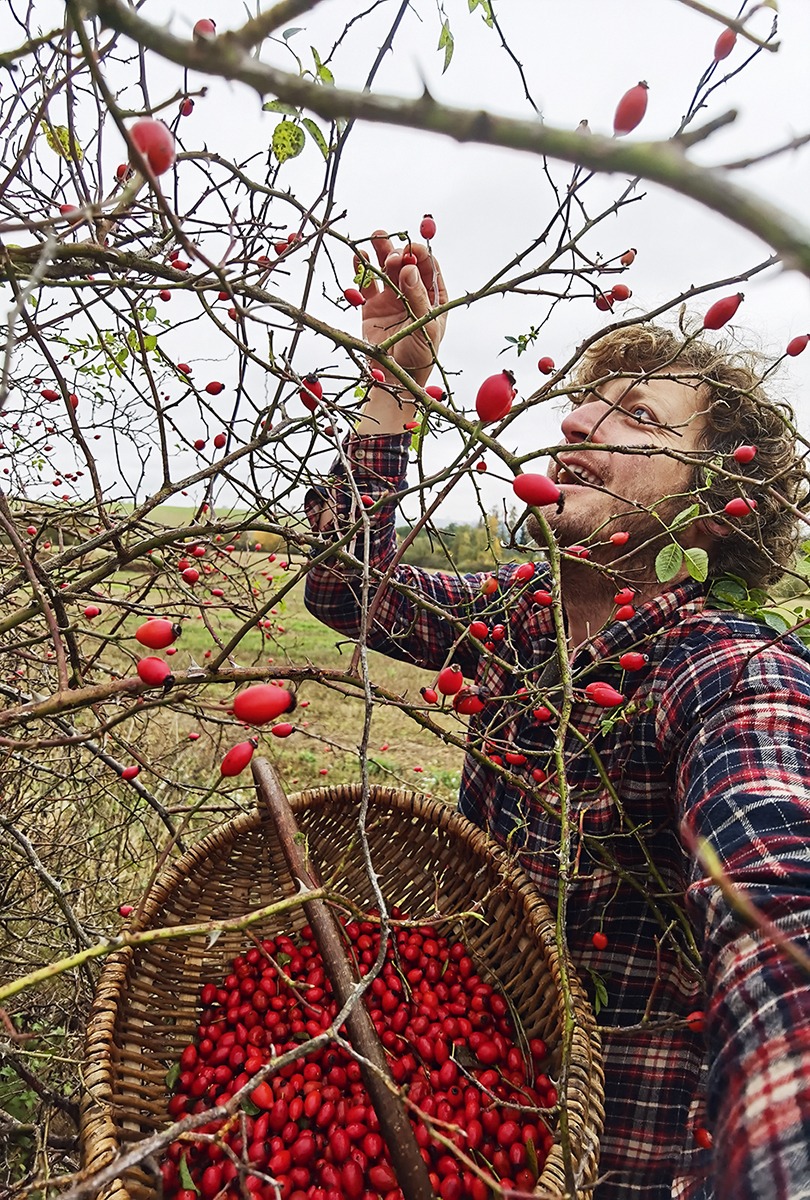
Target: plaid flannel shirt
[[713, 743]]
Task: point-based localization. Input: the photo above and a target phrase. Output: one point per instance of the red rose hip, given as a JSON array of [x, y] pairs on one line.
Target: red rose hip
[[153, 671], [631, 109], [535, 489], [495, 396], [155, 142], [261, 703], [722, 311], [450, 680], [739, 507], [237, 759], [157, 633], [724, 44]]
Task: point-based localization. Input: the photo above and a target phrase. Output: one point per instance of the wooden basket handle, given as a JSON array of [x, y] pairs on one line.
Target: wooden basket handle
[[410, 1167]]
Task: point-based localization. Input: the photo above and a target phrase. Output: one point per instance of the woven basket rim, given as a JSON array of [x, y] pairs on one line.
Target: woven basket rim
[[99, 1134]]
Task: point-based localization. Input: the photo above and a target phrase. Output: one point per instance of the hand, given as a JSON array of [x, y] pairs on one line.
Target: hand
[[409, 292]]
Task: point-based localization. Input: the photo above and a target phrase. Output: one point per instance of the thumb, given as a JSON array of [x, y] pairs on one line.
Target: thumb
[[413, 289]]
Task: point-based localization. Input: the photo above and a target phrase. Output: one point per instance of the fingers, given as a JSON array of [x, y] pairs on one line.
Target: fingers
[[431, 274], [382, 245], [420, 280]]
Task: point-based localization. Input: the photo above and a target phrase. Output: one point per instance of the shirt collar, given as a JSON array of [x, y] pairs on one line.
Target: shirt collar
[[650, 618]]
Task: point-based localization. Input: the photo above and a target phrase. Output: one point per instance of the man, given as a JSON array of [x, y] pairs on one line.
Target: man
[[699, 734]]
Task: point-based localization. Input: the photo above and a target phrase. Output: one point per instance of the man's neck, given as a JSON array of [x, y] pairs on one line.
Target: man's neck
[[587, 597]]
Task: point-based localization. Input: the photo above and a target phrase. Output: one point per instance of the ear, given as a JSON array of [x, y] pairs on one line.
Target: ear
[[711, 527]]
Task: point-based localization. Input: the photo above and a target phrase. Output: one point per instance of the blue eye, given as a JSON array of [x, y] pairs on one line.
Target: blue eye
[[639, 408]]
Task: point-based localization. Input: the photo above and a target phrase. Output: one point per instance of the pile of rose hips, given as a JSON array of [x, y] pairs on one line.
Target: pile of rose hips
[[311, 1127]]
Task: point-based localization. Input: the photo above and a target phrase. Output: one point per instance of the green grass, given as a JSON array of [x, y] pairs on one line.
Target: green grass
[[324, 748]]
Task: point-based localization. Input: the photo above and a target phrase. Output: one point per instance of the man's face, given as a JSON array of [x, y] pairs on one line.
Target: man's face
[[607, 491]]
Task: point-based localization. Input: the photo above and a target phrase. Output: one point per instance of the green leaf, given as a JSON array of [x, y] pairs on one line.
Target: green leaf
[[288, 33], [249, 1107], [487, 14], [315, 133], [185, 1175], [172, 1075], [447, 44], [288, 140], [729, 590], [668, 562], [325, 75], [283, 958], [686, 516], [600, 993], [149, 341], [531, 1157], [150, 314], [776, 621], [697, 563], [60, 141], [280, 106], [323, 72]]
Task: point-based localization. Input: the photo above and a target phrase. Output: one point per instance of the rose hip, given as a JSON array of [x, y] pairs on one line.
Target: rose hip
[[312, 1125]]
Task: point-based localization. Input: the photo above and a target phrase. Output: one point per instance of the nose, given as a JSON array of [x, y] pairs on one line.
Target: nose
[[586, 420]]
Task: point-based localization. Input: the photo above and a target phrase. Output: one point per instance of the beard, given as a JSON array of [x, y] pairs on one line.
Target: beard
[[607, 566]]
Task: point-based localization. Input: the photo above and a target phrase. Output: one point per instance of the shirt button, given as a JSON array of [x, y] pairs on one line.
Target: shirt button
[[359, 454]]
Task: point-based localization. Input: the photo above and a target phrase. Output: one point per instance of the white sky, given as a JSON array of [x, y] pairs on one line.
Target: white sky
[[579, 58]]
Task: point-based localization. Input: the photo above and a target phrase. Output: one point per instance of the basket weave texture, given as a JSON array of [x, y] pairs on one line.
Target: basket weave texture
[[428, 859]]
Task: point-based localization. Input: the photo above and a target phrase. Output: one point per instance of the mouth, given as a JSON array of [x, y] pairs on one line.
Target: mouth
[[576, 474]]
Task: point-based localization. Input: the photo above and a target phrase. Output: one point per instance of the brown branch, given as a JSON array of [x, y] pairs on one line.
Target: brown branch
[[410, 1170], [731, 23], [70, 1107], [7, 523], [147, 936], [660, 162]]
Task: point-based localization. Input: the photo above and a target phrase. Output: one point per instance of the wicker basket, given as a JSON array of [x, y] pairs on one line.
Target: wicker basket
[[427, 855]]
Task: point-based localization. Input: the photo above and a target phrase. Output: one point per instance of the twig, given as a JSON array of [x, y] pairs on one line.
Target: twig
[[660, 162]]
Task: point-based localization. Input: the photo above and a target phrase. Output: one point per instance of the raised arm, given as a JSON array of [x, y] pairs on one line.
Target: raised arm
[[408, 291], [409, 287]]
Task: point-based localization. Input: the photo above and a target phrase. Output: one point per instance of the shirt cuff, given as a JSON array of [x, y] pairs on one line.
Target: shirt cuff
[[378, 463]]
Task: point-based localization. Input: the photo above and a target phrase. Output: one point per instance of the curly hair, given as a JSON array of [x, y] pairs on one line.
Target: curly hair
[[737, 411]]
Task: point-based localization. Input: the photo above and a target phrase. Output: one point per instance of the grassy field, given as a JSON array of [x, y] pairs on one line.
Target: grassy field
[[330, 728], [328, 725]]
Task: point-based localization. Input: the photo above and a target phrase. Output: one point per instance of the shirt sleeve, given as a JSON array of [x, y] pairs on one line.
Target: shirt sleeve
[[416, 617], [740, 721]]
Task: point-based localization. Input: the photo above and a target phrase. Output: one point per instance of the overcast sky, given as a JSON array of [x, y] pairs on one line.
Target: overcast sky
[[579, 57]]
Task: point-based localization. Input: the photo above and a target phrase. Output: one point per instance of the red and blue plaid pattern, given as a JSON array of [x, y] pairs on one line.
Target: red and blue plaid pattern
[[713, 743]]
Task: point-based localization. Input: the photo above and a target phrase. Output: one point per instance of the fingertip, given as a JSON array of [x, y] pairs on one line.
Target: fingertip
[[409, 276]]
